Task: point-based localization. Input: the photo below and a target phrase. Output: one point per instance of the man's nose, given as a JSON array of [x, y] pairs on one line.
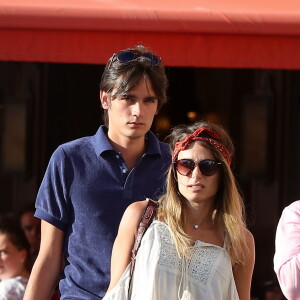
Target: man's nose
[[137, 109]]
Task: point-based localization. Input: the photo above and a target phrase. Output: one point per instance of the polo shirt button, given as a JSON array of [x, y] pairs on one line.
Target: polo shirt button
[[124, 170], [117, 156]]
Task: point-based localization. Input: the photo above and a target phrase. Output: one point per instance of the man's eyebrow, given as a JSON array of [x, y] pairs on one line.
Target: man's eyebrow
[[126, 94], [151, 98], [129, 95]]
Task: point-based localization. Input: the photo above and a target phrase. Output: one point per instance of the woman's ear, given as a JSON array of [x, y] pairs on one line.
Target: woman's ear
[[104, 98]]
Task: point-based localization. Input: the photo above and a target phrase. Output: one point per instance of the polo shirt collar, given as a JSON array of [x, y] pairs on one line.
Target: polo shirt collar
[[101, 142]]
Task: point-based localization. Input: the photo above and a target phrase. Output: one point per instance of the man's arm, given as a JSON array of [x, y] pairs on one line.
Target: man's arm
[[47, 267], [123, 245], [287, 254], [243, 273]]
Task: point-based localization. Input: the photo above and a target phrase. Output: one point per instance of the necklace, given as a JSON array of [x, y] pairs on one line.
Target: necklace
[[196, 226]]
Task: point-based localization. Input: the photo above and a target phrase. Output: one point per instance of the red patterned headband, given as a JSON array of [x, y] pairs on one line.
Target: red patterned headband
[[190, 138]]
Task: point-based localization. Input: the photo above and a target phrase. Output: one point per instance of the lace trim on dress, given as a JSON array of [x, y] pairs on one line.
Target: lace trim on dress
[[201, 263], [199, 266]]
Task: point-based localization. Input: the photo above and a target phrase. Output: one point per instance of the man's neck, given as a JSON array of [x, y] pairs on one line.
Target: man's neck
[[130, 148]]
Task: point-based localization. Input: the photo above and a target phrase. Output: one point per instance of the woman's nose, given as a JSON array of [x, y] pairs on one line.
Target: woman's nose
[[196, 172]]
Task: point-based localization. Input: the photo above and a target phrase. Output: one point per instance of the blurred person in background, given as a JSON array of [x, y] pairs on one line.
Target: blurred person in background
[[287, 251], [32, 229], [14, 263]]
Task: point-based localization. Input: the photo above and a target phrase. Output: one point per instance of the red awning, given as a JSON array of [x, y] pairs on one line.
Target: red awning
[[196, 33]]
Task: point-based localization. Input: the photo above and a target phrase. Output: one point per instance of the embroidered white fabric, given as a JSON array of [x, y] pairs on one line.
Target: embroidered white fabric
[[160, 274]]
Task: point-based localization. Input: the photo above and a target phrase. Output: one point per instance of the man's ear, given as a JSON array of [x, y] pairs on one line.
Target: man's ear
[[104, 98]]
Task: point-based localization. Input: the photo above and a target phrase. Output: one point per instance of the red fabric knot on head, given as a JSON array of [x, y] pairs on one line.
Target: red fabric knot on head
[[212, 140]]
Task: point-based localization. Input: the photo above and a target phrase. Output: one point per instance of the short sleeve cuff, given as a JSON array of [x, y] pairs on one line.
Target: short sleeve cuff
[[50, 219]]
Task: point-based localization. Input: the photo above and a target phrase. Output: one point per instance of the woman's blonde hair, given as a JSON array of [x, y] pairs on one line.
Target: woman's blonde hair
[[228, 207]]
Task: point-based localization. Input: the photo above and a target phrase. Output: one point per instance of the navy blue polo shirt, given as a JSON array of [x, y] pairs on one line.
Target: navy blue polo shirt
[[85, 191]]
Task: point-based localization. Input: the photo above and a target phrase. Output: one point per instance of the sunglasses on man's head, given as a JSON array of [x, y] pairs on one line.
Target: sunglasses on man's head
[[125, 56], [208, 167]]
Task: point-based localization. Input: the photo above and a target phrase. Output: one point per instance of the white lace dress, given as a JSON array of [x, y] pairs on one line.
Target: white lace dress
[[160, 274]]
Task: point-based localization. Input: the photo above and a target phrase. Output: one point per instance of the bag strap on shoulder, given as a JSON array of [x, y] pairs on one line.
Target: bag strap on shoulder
[[145, 222]]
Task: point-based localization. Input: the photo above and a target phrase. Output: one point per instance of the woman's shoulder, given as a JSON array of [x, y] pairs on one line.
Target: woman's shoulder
[[137, 208], [250, 244], [134, 212], [249, 237]]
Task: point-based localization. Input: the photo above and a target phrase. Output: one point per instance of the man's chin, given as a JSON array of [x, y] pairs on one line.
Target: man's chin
[[137, 134]]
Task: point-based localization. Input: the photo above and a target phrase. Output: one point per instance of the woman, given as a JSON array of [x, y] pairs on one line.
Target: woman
[[13, 260], [198, 247]]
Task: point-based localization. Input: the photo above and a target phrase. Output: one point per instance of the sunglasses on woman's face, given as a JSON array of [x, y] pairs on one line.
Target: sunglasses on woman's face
[[128, 56], [208, 167]]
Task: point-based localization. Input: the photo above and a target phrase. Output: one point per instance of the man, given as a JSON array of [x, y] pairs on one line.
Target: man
[[90, 182]]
